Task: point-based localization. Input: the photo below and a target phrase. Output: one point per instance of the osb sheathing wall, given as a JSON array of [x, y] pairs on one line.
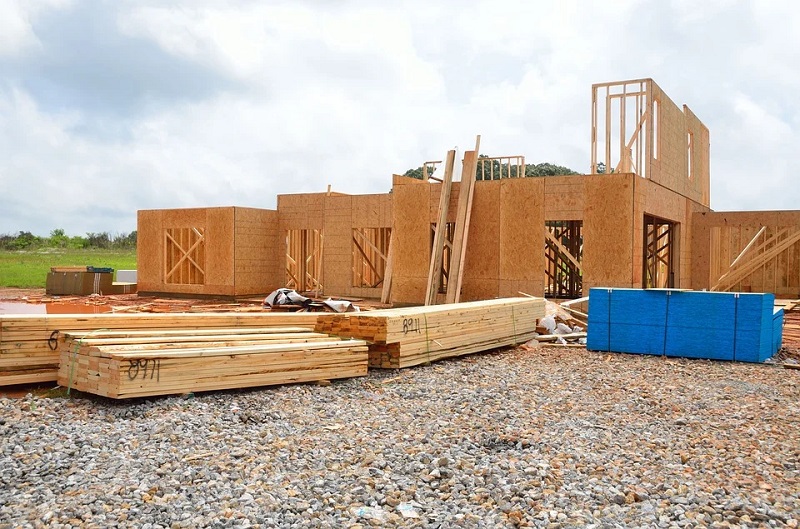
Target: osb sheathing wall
[[669, 162], [218, 228], [257, 242], [336, 214], [653, 199], [505, 249], [608, 237], [719, 237], [240, 245], [505, 246]]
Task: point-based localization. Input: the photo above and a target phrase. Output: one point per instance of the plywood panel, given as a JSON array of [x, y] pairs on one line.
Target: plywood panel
[[369, 211], [482, 264], [219, 251], [608, 236], [411, 235], [564, 197], [216, 224], [149, 250], [258, 252], [670, 168], [521, 234], [337, 246]]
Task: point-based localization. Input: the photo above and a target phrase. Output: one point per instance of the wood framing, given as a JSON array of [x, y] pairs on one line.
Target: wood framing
[[658, 260], [184, 256], [437, 252], [644, 221], [747, 251], [304, 260], [370, 256], [563, 253], [355, 234], [487, 167], [227, 251], [636, 128], [463, 217]]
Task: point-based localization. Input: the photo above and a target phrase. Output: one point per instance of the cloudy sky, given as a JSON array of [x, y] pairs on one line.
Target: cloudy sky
[[110, 107]]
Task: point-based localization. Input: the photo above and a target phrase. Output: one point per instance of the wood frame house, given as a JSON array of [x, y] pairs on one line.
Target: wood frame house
[[640, 219]]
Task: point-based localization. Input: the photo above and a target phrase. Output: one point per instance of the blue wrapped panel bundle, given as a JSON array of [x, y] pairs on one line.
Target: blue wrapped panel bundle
[[634, 331], [711, 325], [700, 325]]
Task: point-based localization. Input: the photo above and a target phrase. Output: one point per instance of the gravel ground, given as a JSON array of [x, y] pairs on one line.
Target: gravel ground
[[556, 438]]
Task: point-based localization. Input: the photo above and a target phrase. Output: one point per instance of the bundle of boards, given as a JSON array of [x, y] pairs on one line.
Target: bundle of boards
[[125, 364], [415, 335], [29, 346]]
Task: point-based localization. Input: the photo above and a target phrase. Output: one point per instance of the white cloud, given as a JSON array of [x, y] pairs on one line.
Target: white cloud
[[299, 95], [16, 30]]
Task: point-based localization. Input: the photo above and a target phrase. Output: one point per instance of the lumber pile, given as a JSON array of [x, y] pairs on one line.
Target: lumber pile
[[121, 364], [29, 342], [126, 364], [414, 335]]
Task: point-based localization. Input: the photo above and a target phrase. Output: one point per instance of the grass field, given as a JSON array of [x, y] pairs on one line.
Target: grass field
[[28, 269]]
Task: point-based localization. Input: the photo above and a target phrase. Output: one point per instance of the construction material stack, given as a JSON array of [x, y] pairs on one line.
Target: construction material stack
[[411, 336], [29, 342], [121, 364]]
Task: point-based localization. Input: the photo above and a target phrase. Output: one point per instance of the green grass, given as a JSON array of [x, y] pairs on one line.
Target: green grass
[[29, 268]]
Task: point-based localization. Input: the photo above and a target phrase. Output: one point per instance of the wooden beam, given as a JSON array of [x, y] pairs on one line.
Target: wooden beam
[[743, 269], [434, 271], [463, 216], [549, 236], [386, 292]]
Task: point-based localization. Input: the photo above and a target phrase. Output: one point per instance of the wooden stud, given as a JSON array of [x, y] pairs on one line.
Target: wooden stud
[[432, 287], [463, 217]]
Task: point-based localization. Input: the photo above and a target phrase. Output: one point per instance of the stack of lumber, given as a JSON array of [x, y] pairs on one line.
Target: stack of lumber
[[791, 329], [125, 364], [29, 346], [414, 335]]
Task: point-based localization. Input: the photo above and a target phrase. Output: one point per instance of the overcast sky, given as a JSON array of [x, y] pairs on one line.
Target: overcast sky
[[110, 107]]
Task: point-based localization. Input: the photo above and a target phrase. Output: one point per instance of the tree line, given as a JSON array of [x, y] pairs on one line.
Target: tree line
[[25, 240], [531, 170]]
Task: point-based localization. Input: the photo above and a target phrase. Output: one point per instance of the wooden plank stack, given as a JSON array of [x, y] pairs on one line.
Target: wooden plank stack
[[415, 335], [138, 364], [29, 345], [791, 325]]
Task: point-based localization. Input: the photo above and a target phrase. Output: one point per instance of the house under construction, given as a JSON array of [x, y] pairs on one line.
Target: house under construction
[[640, 219]]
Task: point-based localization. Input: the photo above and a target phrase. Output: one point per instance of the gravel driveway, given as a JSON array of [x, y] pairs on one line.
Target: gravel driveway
[[556, 438]]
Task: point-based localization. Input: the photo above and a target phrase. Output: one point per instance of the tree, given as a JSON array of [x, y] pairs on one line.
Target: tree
[[601, 168], [496, 169], [547, 169], [58, 238], [415, 173], [98, 240]]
